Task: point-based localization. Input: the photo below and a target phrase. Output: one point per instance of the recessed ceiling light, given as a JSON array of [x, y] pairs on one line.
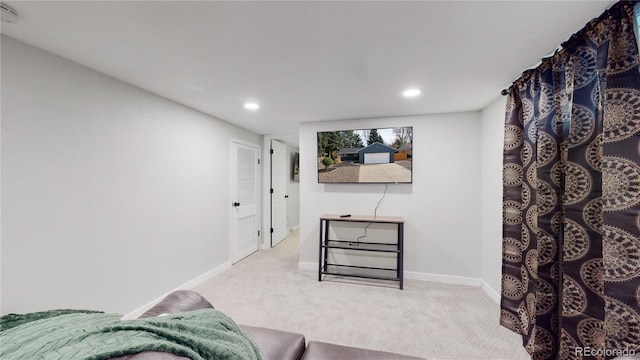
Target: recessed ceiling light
[[251, 106], [411, 93]]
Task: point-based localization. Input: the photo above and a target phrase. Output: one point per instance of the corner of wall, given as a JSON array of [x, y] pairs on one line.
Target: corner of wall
[[492, 120]]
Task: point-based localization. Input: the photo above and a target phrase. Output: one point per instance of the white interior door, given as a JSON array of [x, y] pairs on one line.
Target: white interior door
[[278, 193], [244, 200]]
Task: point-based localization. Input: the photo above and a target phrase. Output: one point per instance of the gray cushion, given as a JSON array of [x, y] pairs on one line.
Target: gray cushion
[[323, 351], [178, 301], [276, 344]]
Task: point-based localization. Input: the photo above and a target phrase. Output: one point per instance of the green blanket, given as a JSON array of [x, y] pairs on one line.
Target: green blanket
[[201, 334]]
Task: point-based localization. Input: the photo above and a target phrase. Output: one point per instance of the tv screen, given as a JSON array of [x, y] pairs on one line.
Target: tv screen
[[381, 155]]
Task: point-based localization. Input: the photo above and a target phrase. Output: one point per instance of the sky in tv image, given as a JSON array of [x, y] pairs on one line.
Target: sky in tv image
[[382, 155], [386, 134]]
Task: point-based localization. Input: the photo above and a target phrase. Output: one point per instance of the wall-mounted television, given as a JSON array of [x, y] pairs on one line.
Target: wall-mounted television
[[364, 156]]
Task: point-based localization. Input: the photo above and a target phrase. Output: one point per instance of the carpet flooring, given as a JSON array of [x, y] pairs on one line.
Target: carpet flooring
[[427, 319]]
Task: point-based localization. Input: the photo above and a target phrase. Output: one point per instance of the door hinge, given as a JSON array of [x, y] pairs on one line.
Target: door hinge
[[272, 191], [258, 161], [272, 230], [258, 232], [271, 151]]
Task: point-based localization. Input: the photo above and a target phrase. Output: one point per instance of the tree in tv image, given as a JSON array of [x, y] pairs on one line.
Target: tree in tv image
[[382, 155], [374, 137]]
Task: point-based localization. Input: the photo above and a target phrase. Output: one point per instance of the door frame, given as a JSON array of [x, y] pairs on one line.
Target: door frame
[[285, 156], [259, 196], [265, 240]]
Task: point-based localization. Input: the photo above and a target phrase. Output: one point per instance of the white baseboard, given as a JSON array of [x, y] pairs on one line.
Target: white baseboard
[[295, 228], [186, 286], [446, 279], [492, 293]]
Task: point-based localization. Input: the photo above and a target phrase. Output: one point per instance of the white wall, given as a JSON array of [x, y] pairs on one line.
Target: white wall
[[441, 208], [112, 196], [492, 133]]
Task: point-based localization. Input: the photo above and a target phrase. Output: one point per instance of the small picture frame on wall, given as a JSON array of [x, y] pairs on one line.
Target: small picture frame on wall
[[295, 173]]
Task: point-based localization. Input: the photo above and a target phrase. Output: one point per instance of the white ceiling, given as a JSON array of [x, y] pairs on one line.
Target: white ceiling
[[307, 60]]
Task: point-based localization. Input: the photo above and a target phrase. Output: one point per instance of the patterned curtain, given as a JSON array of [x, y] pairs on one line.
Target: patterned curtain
[[571, 207]]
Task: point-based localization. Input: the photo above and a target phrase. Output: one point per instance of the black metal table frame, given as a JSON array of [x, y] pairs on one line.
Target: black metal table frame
[[324, 246]]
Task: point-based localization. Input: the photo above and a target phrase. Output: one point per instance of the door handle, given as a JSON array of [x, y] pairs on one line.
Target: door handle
[[286, 196], [236, 204]]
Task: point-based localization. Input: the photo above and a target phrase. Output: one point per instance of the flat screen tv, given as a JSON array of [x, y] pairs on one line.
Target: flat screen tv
[[364, 156]]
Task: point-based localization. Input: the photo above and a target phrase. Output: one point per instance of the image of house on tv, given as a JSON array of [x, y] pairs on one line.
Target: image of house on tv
[[379, 163], [375, 153], [365, 156], [343, 156]]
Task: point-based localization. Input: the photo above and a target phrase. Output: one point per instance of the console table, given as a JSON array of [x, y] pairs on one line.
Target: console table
[[326, 244]]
